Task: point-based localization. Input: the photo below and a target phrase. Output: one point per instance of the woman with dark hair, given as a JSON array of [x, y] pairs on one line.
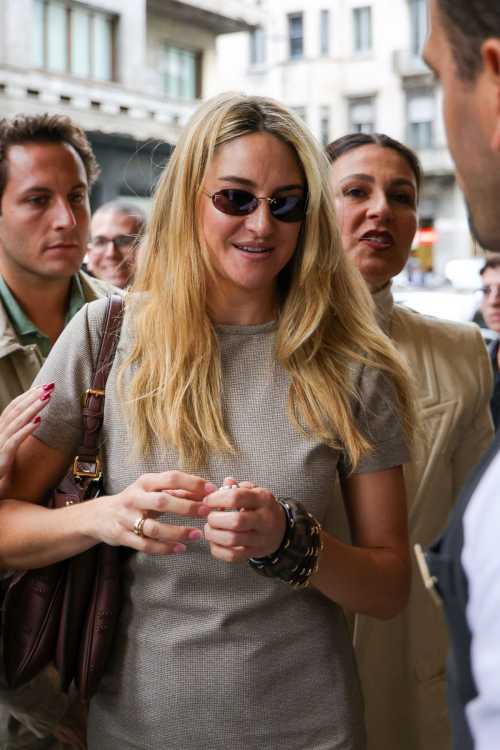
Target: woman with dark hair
[[402, 663]]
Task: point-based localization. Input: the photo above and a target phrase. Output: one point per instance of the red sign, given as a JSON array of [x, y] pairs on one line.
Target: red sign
[[427, 236]]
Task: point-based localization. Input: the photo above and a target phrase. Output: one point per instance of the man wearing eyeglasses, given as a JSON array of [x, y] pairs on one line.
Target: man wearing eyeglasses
[[115, 229], [491, 313]]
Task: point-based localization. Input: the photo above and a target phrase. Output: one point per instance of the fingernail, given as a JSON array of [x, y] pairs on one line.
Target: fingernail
[[48, 387], [179, 548], [209, 488], [36, 420], [196, 534], [45, 397], [203, 510]]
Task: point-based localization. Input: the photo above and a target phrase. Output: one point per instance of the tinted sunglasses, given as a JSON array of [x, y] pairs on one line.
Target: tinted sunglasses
[[241, 203]]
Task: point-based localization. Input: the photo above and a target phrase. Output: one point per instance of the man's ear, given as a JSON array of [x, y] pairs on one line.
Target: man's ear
[[490, 52]]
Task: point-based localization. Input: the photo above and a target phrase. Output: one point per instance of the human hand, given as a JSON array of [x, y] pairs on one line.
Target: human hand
[[19, 420], [72, 729], [112, 519], [256, 531]]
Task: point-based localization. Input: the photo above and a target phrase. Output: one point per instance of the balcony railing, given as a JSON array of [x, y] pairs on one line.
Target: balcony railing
[[436, 161], [217, 16], [407, 64]]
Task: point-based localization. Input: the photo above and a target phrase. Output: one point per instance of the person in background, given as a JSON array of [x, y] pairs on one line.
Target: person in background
[[463, 50], [46, 171], [376, 182], [490, 309], [115, 230]]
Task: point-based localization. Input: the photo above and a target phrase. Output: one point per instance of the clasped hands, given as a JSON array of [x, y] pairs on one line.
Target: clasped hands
[[255, 531]]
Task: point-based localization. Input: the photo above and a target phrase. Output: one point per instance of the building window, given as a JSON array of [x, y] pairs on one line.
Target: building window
[[362, 29], [257, 46], [325, 32], [296, 35], [418, 21], [179, 69], [73, 39], [300, 112], [421, 120], [325, 125], [362, 115]]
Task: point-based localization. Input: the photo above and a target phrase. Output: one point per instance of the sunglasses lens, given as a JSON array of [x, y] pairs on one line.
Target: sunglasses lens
[[235, 202], [241, 203], [289, 209]]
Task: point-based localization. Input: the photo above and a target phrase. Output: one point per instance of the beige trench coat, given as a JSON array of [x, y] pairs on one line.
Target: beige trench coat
[[402, 663], [40, 705]]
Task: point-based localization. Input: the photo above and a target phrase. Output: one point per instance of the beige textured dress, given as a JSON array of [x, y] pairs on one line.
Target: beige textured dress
[[209, 655]]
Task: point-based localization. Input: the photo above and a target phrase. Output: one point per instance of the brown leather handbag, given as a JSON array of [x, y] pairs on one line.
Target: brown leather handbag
[[67, 612]]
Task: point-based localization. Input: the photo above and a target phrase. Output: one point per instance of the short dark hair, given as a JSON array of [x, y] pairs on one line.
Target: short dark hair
[[467, 24], [356, 140], [492, 261], [22, 129]]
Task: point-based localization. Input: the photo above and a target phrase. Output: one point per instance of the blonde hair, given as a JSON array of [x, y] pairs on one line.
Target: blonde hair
[[325, 319]]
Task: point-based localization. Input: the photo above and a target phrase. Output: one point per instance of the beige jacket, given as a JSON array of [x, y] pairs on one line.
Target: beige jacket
[[19, 365], [402, 662]]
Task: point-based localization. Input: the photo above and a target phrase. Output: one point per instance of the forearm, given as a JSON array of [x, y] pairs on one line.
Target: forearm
[[32, 536], [373, 582]]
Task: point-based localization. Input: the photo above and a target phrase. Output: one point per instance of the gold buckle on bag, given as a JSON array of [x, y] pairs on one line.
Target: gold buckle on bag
[[92, 392], [96, 474]]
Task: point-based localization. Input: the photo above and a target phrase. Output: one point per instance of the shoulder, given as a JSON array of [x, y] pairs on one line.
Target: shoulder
[[95, 288], [439, 333]]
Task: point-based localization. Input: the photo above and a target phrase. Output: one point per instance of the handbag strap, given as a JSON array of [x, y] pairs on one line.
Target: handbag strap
[[86, 465]]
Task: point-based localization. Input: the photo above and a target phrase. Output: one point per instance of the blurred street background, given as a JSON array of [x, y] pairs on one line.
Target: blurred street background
[[131, 72]]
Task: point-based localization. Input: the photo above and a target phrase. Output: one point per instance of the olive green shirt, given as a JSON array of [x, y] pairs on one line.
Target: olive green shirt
[[26, 331]]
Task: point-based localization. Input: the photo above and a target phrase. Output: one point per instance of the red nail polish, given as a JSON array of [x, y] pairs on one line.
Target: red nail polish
[[48, 387], [36, 420], [45, 397]]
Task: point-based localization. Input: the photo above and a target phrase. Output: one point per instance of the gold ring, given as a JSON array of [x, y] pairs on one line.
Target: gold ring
[[139, 525]]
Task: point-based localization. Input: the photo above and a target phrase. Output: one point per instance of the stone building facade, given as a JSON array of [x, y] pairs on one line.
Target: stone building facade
[[130, 72]]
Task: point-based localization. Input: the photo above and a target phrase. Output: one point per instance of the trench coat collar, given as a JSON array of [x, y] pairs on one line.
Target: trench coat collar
[[384, 303]]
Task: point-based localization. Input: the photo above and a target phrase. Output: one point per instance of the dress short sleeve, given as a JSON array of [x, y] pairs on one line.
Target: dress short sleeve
[[70, 365], [379, 420]]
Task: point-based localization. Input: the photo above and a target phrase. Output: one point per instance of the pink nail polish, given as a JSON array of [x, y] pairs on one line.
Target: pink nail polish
[[179, 548], [36, 420], [209, 488], [49, 386], [196, 534], [45, 397], [203, 511]]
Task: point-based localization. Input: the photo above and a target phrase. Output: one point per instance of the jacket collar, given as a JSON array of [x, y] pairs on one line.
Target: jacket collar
[[384, 303], [92, 289]]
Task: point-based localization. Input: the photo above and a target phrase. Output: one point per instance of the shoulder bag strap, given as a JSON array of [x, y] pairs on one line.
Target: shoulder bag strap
[[86, 464]]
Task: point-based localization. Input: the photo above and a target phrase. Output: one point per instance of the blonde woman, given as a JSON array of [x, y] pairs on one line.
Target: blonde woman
[[248, 356]]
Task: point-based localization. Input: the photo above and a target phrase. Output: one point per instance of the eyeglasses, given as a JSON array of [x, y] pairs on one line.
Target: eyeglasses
[[289, 208], [121, 242], [490, 289]]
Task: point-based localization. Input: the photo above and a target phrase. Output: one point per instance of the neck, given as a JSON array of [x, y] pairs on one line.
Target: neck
[[44, 301], [241, 307], [377, 287]]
